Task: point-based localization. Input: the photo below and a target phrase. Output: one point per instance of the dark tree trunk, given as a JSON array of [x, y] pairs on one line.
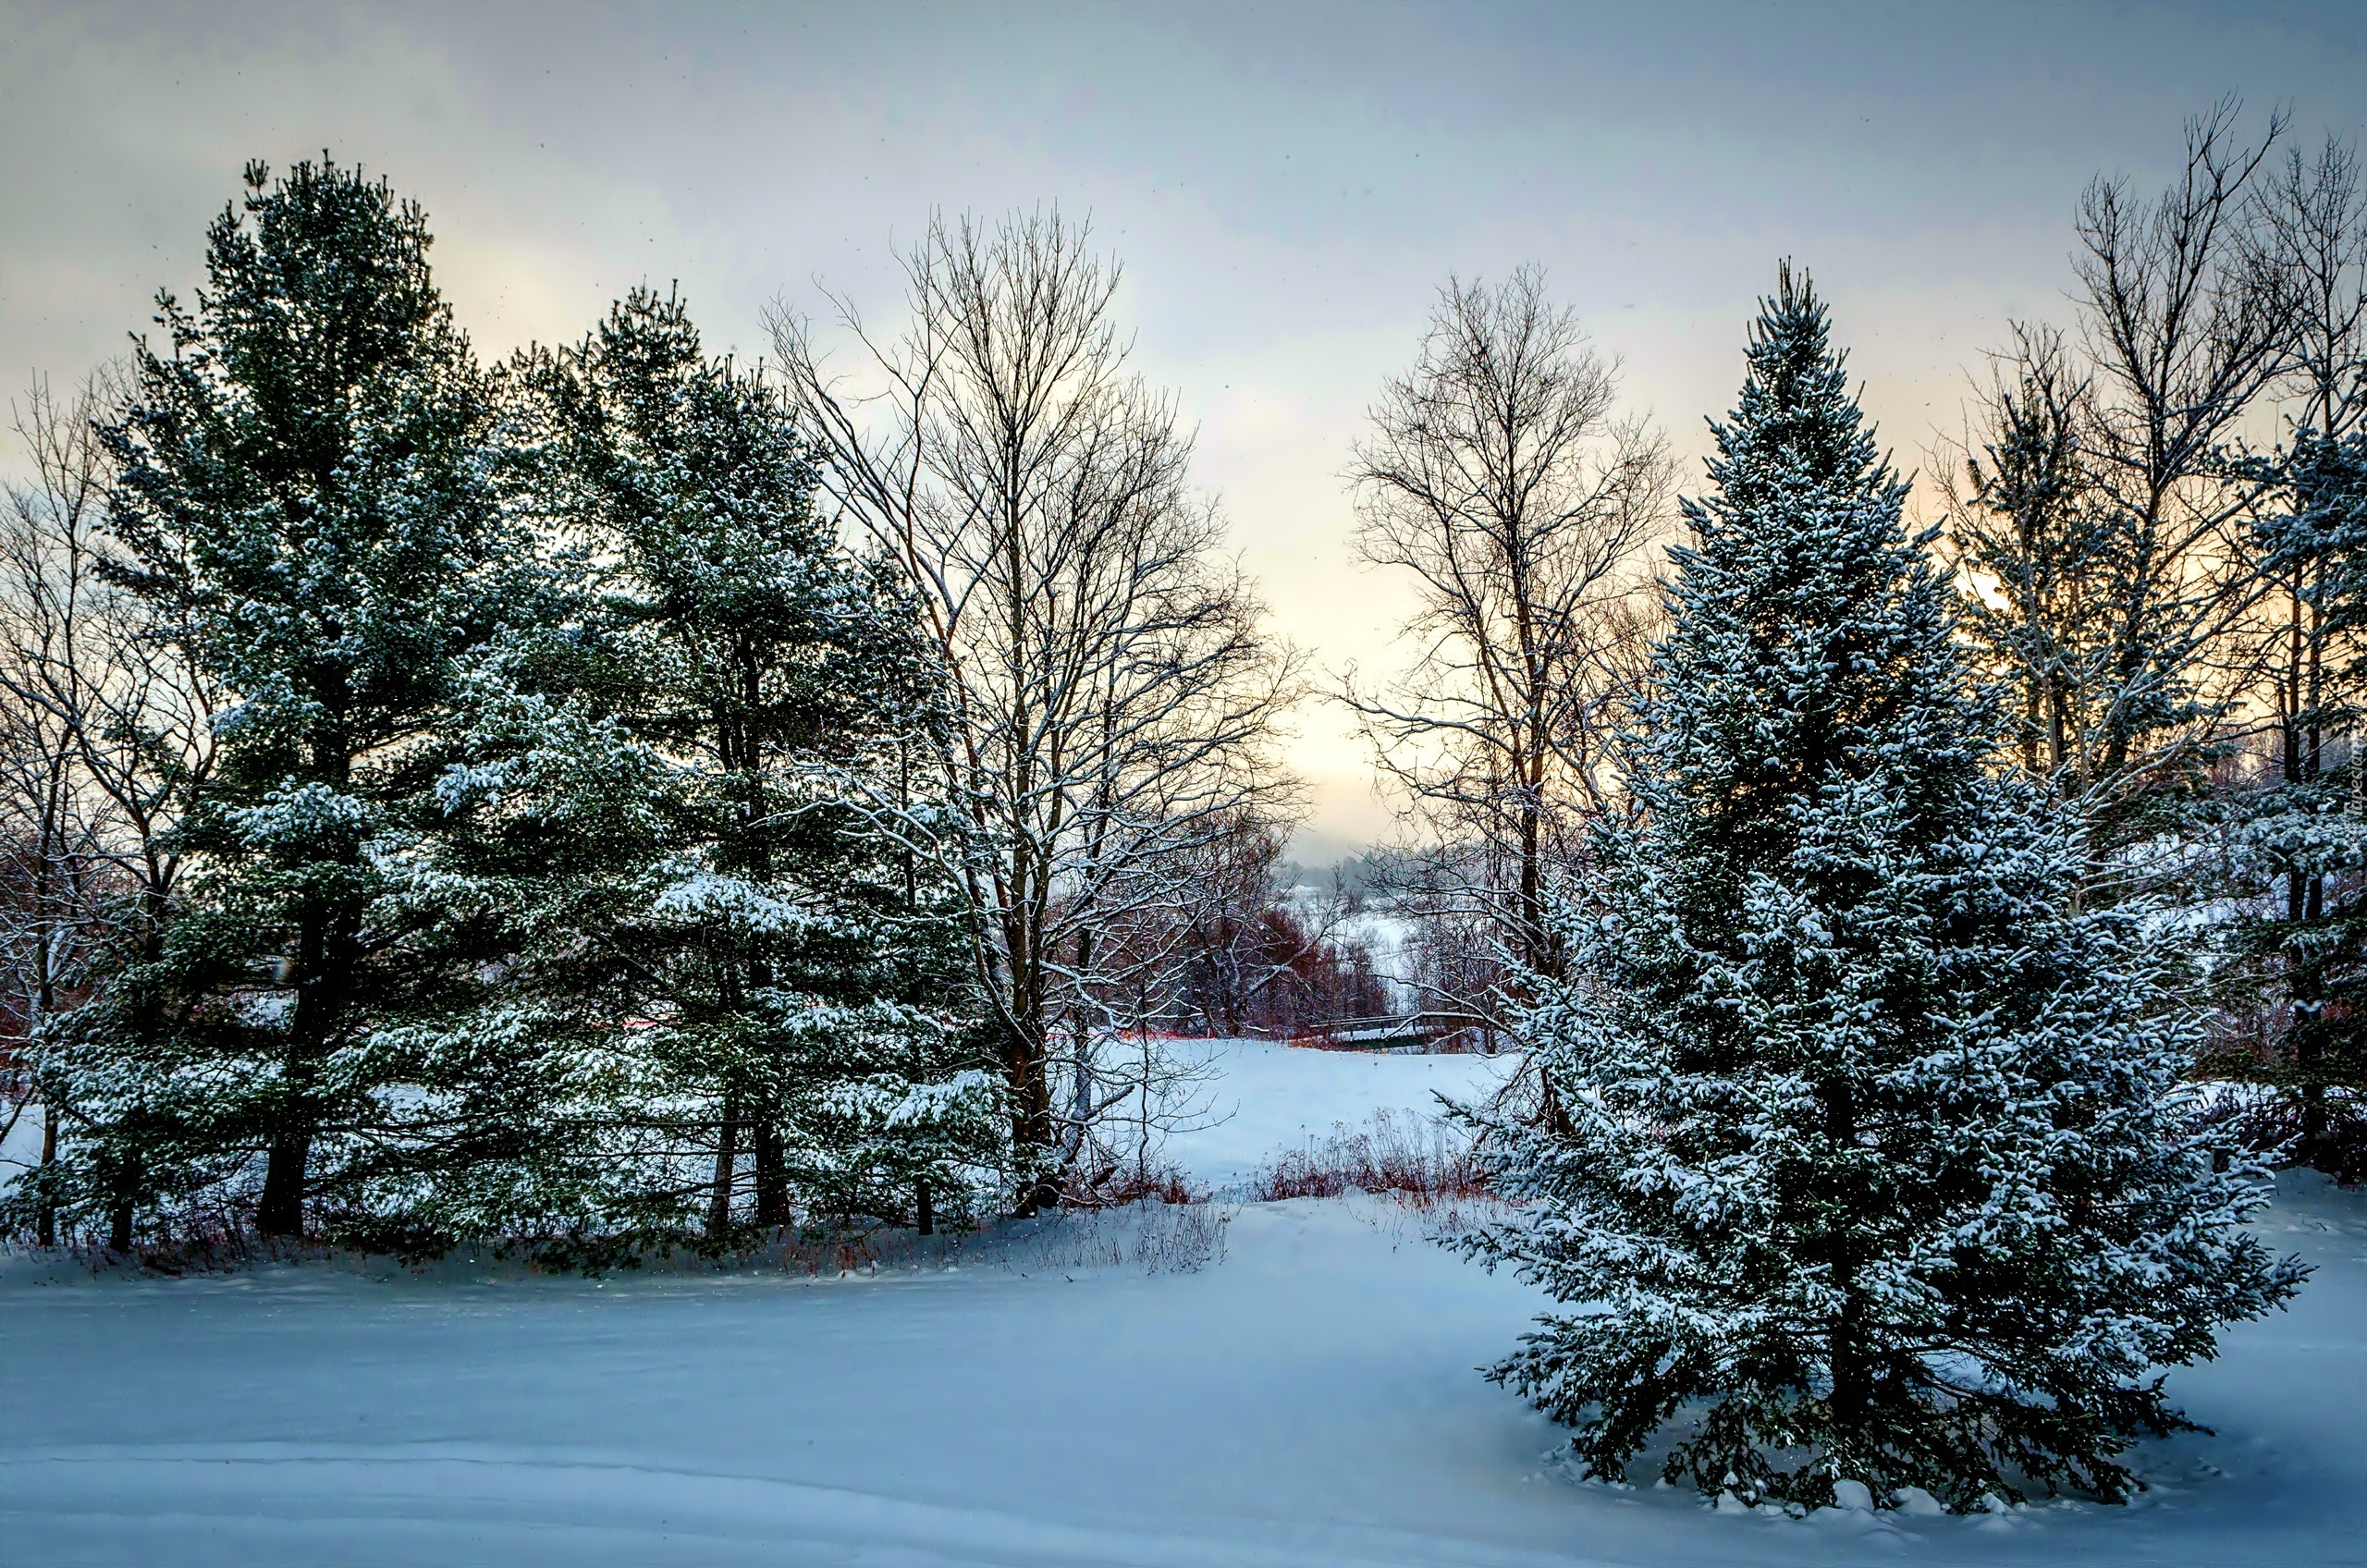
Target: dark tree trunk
[[727, 1172], [45, 1222], [1852, 1379], [1032, 1128], [281, 1211], [1535, 954], [326, 945], [2308, 998], [1852, 1369], [123, 1184], [772, 1177], [1551, 1114], [2304, 889]]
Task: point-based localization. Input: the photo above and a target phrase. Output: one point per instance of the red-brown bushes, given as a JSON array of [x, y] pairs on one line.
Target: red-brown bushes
[[1121, 1184], [1420, 1162]]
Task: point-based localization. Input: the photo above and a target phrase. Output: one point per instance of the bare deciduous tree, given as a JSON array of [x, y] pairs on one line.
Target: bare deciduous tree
[[46, 610], [2315, 216], [2315, 223], [2100, 508], [1499, 476], [1110, 696], [2187, 321], [109, 732]]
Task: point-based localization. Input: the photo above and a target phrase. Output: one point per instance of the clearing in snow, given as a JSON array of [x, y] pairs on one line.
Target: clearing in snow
[[1055, 1394]]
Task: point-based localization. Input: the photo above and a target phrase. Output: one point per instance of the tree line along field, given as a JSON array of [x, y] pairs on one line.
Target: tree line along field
[[615, 808]]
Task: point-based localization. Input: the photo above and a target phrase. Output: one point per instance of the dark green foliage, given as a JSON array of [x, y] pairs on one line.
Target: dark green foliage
[[547, 885], [308, 498], [711, 994], [2303, 841], [1872, 1161]]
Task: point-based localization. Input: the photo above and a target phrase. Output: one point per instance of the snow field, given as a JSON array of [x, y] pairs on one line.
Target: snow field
[[20, 1143], [1264, 1098], [1309, 1397]]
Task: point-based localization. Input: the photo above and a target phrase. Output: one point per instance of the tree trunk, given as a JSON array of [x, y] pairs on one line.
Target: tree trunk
[[2309, 996], [121, 1211], [1852, 1380], [1532, 893], [1551, 1114], [726, 1162], [45, 1222], [324, 960], [44, 999], [772, 1176], [2304, 889], [281, 1211], [1032, 1126], [2314, 1098], [923, 1216]]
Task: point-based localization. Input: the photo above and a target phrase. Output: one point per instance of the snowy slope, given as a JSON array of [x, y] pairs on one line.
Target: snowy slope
[[1265, 1098], [1309, 1400]]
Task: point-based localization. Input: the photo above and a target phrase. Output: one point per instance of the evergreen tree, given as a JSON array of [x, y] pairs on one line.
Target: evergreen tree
[[2032, 522], [1876, 1166], [2303, 841], [693, 947], [307, 494]]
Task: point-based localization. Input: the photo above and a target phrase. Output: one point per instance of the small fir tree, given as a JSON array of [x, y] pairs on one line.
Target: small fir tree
[[1876, 1164]]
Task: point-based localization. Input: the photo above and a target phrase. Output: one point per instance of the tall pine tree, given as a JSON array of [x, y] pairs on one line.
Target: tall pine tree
[[307, 494], [707, 993], [1876, 1166]]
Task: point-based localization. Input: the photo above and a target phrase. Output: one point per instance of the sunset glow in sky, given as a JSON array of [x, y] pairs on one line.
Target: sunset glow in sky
[[1287, 185]]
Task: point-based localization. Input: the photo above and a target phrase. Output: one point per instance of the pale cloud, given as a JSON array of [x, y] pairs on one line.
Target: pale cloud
[[1286, 184]]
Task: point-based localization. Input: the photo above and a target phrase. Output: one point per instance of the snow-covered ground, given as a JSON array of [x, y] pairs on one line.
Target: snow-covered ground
[[1263, 1097], [19, 1138], [1309, 1399]]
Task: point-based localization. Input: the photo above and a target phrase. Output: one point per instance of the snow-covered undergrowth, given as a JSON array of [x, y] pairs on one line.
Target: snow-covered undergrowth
[[1420, 1161], [1050, 1394], [1146, 1237]]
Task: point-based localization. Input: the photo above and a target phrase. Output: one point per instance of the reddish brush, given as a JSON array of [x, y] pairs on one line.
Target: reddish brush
[[1416, 1161], [821, 1254], [1119, 1185]]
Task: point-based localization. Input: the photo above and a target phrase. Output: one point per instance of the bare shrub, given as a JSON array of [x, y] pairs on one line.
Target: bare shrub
[[2269, 1119], [1182, 1238], [1152, 1236], [1420, 1162], [1119, 1185]]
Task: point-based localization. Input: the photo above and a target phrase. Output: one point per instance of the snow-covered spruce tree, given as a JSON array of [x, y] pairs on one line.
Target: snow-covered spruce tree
[[307, 497], [1876, 1166], [710, 992], [2303, 841]]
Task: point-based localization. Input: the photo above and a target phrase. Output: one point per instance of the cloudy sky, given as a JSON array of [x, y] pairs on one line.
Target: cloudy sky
[[1286, 185]]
